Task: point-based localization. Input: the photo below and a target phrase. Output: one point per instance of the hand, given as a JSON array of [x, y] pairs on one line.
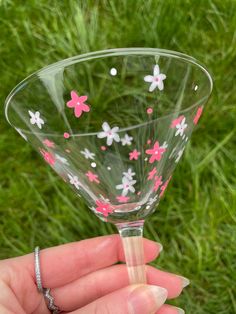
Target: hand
[[85, 279]]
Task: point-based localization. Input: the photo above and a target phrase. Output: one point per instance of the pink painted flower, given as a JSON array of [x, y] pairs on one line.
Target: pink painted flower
[[48, 157], [157, 183], [156, 152], [122, 199], [134, 155], [103, 208], [92, 177], [198, 115], [49, 143], [176, 121], [77, 102], [164, 186], [152, 173]]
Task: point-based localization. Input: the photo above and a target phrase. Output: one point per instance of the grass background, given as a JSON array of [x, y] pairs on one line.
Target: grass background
[[196, 221]]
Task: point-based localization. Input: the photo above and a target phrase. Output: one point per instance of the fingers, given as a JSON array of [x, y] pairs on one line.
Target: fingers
[[138, 299], [169, 309], [65, 263], [104, 281]]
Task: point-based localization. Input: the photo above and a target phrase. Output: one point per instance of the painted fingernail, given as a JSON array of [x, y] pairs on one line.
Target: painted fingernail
[[179, 310], [146, 299], [185, 281], [160, 247]]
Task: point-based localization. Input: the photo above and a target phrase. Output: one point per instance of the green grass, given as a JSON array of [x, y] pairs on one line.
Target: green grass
[[196, 222]]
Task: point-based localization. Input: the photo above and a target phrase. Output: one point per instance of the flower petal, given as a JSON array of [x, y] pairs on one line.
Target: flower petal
[[160, 85], [153, 86], [156, 70], [109, 141], [148, 78], [106, 127], [101, 135]]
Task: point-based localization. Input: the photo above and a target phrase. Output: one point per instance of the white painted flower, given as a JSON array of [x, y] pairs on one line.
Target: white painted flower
[[106, 200], [181, 127], [179, 155], [61, 159], [35, 119], [22, 134], [87, 154], [126, 186], [152, 200], [74, 181], [126, 140], [129, 174], [164, 145], [110, 134], [156, 79]]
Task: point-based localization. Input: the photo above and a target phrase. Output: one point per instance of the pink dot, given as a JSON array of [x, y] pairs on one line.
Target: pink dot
[[66, 135], [149, 142], [139, 193], [149, 110], [103, 148]]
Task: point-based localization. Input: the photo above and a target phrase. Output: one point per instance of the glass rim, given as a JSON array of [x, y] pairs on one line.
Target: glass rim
[[100, 54]]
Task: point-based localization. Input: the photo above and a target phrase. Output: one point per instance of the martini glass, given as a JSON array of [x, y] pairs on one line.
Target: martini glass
[[114, 124]]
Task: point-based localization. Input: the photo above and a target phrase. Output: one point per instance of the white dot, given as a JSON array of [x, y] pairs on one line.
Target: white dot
[[109, 168], [146, 159], [113, 71], [196, 87], [93, 164], [147, 207]]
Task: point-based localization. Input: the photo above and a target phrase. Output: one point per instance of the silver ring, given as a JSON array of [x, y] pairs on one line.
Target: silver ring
[[45, 291], [37, 270]]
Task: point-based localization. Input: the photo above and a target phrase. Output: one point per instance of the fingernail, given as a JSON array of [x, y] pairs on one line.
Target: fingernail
[[160, 247], [146, 299], [185, 281], [179, 310]]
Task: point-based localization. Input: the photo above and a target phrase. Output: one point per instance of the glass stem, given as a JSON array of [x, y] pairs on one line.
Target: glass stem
[[131, 234]]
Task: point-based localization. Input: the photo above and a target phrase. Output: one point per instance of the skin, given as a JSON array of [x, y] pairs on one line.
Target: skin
[[84, 277]]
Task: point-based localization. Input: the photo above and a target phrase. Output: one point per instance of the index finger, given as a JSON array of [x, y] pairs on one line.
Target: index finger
[[65, 263]]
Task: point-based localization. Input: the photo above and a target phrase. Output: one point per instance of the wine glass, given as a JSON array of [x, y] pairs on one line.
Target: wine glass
[[114, 124]]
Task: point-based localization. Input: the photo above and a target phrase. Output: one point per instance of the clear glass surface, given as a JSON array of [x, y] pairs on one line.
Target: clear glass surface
[[114, 124]]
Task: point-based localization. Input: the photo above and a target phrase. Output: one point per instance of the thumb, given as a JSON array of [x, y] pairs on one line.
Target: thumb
[[134, 299]]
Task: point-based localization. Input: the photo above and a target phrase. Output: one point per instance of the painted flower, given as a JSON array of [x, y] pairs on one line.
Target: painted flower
[[126, 140], [110, 134], [164, 145], [49, 143], [129, 174], [156, 152], [103, 208], [164, 186], [176, 121], [48, 157], [74, 181], [152, 174], [198, 115], [61, 159], [92, 177], [87, 154], [156, 79], [126, 186], [134, 155], [179, 155], [122, 199], [152, 200], [77, 102], [158, 182], [35, 119], [181, 127]]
